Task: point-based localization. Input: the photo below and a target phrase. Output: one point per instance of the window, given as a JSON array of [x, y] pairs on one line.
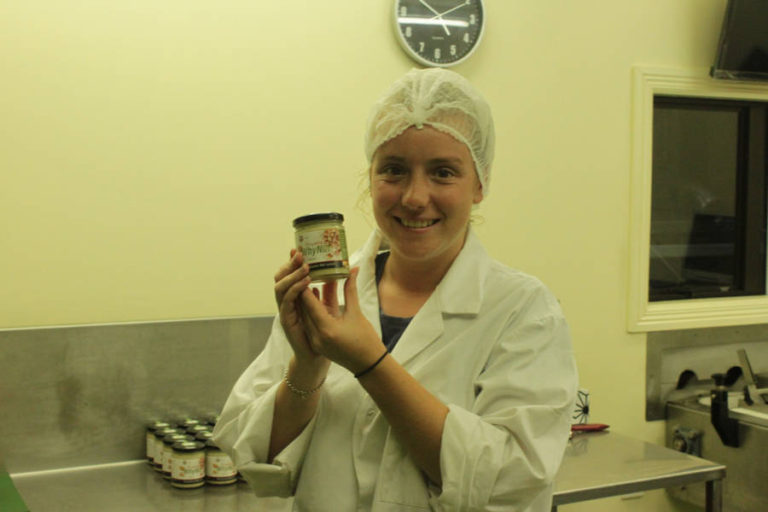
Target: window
[[697, 243], [708, 200]]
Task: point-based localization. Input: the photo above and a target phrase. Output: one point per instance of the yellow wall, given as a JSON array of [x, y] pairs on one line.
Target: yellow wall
[[153, 154]]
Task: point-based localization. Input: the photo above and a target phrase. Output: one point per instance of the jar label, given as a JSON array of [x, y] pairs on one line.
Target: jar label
[[320, 246], [219, 466], [188, 468], [158, 453], [167, 460], [150, 446]]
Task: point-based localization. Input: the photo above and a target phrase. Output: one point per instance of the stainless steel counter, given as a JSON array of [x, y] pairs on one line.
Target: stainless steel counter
[[599, 465], [131, 486], [596, 465]]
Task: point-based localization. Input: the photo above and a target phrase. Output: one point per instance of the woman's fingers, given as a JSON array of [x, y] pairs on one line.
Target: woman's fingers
[[295, 261], [289, 275], [351, 300], [309, 302], [312, 305], [289, 296], [330, 298], [325, 308], [348, 339]]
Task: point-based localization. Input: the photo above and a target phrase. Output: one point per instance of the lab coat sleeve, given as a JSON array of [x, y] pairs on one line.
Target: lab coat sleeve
[[244, 427], [504, 452]]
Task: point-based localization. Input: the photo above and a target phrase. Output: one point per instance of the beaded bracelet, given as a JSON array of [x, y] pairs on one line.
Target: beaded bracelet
[[374, 365], [302, 393]]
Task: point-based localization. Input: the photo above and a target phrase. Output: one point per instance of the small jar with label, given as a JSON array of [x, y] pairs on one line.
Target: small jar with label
[[188, 465], [219, 468], [150, 439], [320, 237], [157, 461], [168, 442]]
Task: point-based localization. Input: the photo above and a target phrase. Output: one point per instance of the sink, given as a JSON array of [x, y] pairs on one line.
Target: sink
[[741, 410]]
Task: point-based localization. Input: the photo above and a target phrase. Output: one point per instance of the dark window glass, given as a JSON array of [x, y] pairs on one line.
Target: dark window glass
[[708, 212]]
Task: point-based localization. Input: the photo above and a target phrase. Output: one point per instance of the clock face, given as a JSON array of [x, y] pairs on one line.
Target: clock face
[[439, 32]]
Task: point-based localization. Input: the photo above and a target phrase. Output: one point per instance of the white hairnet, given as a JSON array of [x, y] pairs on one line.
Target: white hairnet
[[439, 98]]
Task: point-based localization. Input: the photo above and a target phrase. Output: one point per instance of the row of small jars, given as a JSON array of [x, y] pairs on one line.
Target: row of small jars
[[184, 453]]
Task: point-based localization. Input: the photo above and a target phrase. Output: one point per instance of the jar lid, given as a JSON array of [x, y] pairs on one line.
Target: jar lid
[[194, 429], [187, 446], [182, 420], [204, 435], [318, 216], [162, 432], [174, 438], [157, 424]]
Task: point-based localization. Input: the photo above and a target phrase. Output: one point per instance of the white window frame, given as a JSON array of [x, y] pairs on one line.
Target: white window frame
[[642, 314]]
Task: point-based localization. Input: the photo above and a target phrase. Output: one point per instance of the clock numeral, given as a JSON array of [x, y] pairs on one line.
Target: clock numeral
[[408, 31], [472, 19], [403, 11], [453, 49], [421, 46], [466, 37], [437, 53]]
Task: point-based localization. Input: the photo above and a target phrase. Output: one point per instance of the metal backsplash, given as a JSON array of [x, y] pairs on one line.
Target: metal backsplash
[[75, 396], [702, 351]]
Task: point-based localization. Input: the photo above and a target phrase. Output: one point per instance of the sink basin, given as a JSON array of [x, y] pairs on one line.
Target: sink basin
[[741, 410]]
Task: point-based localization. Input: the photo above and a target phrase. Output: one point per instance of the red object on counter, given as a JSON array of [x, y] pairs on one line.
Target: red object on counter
[[589, 427]]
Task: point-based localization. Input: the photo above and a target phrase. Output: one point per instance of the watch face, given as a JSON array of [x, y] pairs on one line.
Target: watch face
[[439, 32]]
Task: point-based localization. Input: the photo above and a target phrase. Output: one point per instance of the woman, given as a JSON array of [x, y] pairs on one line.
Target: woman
[[447, 380]]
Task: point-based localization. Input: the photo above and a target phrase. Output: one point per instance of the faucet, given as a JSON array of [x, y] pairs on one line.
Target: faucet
[[751, 392], [727, 428]]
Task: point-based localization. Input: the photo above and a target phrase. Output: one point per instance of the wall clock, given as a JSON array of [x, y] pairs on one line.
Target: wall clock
[[439, 32]]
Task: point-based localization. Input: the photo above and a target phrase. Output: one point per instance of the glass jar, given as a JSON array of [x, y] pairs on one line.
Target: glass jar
[[188, 465], [157, 460], [150, 439], [320, 237], [219, 468], [168, 442]]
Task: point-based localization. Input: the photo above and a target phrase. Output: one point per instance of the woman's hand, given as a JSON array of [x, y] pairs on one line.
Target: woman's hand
[[346, 338], [291, 280], [416, 416]]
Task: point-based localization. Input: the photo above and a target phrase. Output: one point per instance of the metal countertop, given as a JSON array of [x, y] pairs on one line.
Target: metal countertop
[[602, 464], [130, 487], [596, 465]]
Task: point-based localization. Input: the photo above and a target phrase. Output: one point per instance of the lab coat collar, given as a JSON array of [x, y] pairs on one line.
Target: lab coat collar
[[459, 292]]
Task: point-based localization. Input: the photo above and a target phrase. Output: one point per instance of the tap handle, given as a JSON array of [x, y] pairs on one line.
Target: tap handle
[[719, 379]]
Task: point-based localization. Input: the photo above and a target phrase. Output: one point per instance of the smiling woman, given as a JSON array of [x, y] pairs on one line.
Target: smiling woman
[[447, 381], [423, 186]]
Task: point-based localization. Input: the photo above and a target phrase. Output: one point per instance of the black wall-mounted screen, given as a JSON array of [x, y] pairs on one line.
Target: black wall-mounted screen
[[742, 53]]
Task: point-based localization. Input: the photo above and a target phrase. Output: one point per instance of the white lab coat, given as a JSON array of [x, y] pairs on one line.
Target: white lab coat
[[491, 343]]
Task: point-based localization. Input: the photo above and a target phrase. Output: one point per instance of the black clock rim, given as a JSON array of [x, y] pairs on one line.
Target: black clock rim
[[427, 62]]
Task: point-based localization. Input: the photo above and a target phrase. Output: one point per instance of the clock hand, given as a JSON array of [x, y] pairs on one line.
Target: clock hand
[[425, 4], [440, 15], [437, 15]]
